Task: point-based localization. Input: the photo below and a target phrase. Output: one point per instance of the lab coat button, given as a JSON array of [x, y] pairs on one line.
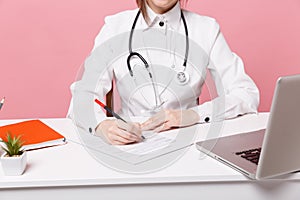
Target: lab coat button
[[161, 23], [206, 119]]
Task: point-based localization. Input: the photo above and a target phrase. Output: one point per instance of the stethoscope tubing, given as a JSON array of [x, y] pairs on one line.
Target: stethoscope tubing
[[132, 53]]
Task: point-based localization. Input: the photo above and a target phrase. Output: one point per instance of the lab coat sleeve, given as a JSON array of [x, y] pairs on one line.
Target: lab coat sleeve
[[96, 82], [237, 93]]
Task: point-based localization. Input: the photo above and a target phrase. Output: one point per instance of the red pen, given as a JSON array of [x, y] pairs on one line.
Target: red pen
[[109, 110]]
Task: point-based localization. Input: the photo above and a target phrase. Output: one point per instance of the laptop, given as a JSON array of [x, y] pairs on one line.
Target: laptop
[[269, 152]]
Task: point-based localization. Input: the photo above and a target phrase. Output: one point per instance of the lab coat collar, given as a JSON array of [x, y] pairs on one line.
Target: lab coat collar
[[170, 18]]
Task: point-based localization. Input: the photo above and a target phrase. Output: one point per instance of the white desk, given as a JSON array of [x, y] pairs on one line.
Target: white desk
[[69, 172]]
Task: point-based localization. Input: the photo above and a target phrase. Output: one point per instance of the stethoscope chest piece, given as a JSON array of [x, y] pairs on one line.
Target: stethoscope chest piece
[[182, 77]]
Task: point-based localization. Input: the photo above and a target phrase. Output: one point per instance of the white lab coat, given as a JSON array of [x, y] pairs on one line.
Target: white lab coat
[[237, 93]]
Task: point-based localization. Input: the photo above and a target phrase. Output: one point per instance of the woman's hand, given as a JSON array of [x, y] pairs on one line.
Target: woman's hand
[[117, 132], [167, 119]]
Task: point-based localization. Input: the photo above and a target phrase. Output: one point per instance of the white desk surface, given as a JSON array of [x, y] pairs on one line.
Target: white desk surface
[[71, 165]]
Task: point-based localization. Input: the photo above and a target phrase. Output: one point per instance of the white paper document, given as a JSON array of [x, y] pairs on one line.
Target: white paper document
[[155, 145], [153, 142]]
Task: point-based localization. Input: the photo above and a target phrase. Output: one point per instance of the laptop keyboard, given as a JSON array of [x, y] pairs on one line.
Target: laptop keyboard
[[252, 155]]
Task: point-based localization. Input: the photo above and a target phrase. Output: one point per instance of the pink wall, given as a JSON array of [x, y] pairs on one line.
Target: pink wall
[[43, 43]]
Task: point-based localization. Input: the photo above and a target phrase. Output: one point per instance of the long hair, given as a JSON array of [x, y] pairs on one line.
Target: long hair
[[142, 6]]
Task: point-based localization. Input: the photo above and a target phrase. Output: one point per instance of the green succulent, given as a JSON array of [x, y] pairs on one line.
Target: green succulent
[[13, 145]]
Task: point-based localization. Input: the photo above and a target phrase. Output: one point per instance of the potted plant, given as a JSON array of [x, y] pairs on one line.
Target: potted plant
[[13, 160]]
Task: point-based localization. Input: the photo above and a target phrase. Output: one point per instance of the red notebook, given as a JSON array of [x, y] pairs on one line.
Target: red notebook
[[34, 133]]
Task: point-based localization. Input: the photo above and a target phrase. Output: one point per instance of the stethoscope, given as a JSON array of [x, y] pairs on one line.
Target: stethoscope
[[182, 76]]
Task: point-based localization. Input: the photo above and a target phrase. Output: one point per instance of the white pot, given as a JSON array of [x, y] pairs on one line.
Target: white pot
[[13, 166]]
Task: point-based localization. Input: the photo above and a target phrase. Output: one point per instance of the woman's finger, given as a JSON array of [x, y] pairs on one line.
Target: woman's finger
[[117, 139], [116, 132], [155, 121], [164, 127], [132, 128], [126, 135]]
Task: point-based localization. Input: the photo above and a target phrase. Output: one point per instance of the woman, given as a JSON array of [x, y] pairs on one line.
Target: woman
[[237, 93]]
